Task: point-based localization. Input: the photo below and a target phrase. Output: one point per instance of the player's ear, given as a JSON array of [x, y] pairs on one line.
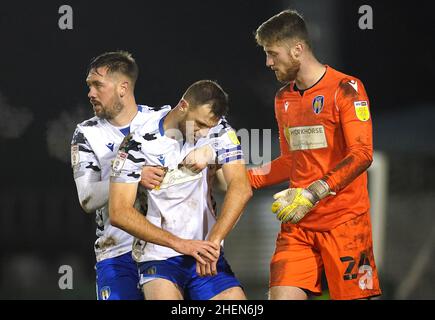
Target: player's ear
[[183, 105], [123, 88], [297, 50]]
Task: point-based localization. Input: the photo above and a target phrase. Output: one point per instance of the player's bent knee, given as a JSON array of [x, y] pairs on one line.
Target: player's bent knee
[[234, 293], [287, 293], [161, 289]]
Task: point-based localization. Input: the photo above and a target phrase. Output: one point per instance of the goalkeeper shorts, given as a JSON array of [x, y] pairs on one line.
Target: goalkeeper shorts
[[345, 253]]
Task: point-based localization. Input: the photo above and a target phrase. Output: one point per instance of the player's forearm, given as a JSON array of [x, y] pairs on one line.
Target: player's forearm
[[92, 194], [270, 173], [133, 222], [353, 165], [236, 198]]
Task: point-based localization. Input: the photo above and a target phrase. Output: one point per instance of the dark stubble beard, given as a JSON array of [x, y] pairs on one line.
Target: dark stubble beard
[[111, 112], [291, 72]]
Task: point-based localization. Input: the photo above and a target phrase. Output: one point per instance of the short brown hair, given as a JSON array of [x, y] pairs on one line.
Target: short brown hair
[[117, 61], [208, 92], [286, 25]]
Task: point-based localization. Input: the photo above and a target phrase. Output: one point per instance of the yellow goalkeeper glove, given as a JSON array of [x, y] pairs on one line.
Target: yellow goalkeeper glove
[[291, 205]]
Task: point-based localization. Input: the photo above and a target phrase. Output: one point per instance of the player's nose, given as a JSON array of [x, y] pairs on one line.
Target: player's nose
[[269, 62], [91, 94]]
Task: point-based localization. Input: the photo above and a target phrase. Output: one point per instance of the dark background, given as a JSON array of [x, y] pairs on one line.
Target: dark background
[[43, 95]]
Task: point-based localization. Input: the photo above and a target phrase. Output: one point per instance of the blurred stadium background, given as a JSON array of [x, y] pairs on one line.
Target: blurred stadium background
[[43, 95]]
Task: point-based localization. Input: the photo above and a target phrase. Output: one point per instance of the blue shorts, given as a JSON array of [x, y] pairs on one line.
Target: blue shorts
[[181, 270], [118, 279]]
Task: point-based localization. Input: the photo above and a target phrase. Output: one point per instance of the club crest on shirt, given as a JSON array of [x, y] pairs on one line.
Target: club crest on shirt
[[318, 103]]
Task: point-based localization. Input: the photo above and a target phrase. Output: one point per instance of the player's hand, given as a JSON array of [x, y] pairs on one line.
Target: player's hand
[[152, 176], [201, 250], [291, 205], [209, 269], [199, 158]]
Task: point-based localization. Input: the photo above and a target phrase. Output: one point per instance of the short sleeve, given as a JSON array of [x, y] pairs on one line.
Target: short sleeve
[[224, 141]]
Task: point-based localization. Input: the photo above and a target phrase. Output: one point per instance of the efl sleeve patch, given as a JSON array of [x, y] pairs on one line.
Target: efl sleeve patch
[[75, 156], [362, 110], [118, 164], [233, 137], [83, 159]]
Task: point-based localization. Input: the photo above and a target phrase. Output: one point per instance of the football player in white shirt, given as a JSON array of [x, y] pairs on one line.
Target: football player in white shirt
[[182, 206], [111, 79]]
